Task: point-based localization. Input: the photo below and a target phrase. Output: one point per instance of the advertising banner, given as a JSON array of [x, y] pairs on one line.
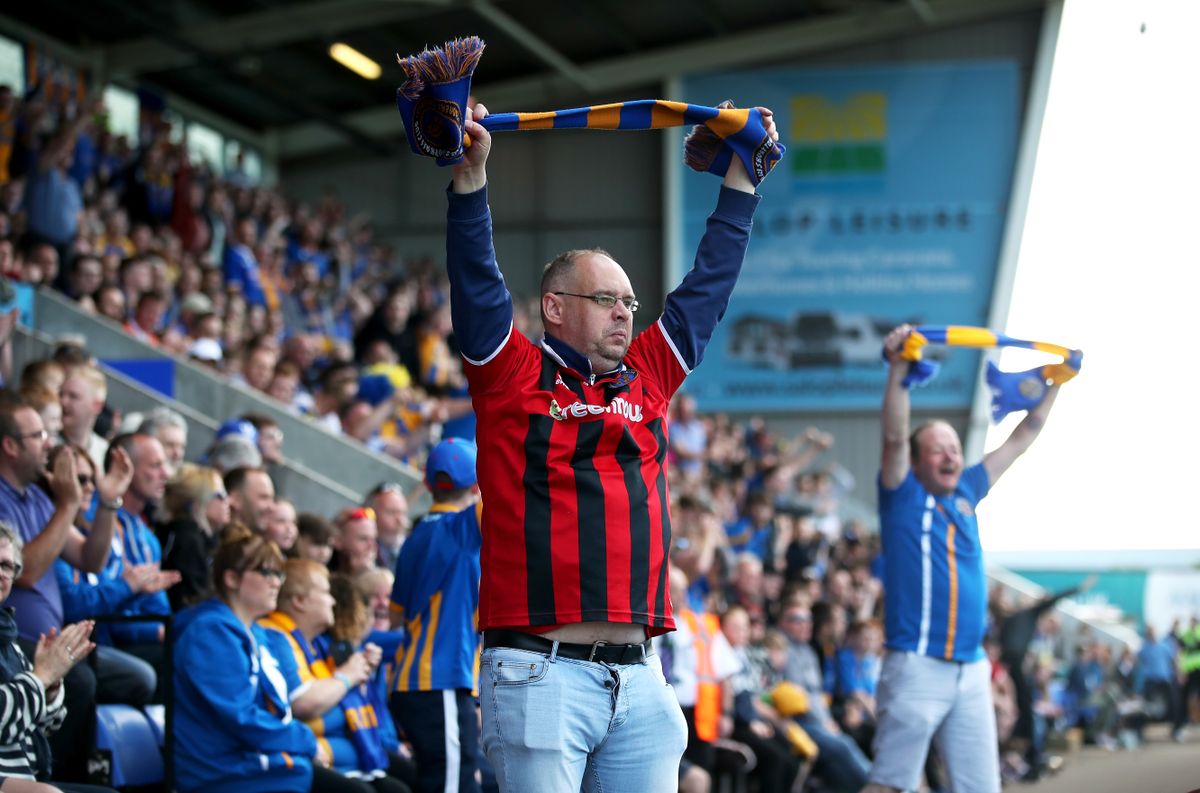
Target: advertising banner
[[888, 208]]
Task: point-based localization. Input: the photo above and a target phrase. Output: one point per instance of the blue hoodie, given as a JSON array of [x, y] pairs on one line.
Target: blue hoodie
[[234, 730]]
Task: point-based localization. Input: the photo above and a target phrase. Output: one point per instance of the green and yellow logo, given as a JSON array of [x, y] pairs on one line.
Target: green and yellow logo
[[829, 139]]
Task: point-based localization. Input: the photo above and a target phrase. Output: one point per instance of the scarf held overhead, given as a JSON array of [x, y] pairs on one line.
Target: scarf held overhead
[[433, 104], [1011, 391]]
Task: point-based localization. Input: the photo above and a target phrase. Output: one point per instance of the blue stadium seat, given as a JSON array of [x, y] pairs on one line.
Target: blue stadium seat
[[126, 733], [157, 714]]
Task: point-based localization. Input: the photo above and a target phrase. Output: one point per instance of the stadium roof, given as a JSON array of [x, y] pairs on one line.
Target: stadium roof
[[264, 64]]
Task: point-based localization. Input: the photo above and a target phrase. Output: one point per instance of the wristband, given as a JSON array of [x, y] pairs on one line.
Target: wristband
[[345, 680], [113, 505]]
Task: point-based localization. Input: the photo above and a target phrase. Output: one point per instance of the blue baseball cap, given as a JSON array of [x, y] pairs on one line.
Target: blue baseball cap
[[454, 457], [238, 427], [375, 389]]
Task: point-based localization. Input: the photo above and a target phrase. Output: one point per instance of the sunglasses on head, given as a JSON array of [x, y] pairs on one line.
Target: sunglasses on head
[[360, 513]]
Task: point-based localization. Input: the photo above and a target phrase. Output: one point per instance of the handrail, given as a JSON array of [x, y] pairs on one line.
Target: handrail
[[309, 490], [1116, 635]]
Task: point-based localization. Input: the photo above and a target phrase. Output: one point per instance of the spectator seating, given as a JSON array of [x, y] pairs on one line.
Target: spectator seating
[[128, 736]]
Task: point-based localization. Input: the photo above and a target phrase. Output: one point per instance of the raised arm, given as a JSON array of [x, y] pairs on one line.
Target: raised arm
[[42, 550], [895, 463], [90, 553], [64, 140], [998, 461], [694, 308], [480, 304]]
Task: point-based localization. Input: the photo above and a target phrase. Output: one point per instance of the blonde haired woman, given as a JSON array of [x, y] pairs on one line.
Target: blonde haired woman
[[198, 507]]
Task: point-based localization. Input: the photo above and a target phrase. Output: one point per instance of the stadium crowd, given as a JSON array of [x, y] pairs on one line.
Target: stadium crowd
[[778, 595]]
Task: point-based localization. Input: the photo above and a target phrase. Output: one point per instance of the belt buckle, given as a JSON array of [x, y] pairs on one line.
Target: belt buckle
[[596, 646]]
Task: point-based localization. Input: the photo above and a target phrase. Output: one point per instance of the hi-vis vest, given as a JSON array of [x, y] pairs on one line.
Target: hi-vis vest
[[708, 687], [1189, 656]]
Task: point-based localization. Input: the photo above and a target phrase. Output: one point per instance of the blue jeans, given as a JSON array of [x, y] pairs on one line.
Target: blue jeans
[[840, 764], [558, 725]]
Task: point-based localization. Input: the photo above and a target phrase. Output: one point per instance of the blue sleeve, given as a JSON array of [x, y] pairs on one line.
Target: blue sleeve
[[466, 526], [82, 600], [846, 683], [229, 691], [480, 304], [281, 649], [694, 308], [974, 482], [234, 268]]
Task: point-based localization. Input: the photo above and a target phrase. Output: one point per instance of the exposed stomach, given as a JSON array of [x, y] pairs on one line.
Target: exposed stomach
[[589, 632]]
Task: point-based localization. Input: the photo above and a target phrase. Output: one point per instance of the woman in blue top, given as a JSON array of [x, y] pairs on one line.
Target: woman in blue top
[[234, 728]]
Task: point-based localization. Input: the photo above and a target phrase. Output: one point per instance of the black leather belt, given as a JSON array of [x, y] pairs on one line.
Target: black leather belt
[[599, 651]]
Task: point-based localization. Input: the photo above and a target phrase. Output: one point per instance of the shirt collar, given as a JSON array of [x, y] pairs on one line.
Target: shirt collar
[[571, 358], [19, 493]]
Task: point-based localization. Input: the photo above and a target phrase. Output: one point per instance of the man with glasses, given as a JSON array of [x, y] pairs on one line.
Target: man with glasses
[[840, 763], [391, 521], [572, 446], [45, 523]]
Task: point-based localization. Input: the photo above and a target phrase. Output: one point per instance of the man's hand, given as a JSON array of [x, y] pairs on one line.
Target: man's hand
[[117, 479], [149, 579], [893, 344], [64, 481], [471, 174], [736, 177]]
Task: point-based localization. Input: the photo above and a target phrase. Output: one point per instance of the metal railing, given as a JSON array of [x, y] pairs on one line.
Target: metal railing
[[343, 465], [308, 489]]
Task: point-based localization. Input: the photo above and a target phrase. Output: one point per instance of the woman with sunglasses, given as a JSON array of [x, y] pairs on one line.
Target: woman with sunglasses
[[234, 730], [234, 727], [198, 510], [111, 486]]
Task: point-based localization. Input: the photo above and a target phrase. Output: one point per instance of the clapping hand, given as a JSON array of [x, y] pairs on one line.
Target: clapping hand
[[58, 651], [149, 578], [64, 482], [117, 479]]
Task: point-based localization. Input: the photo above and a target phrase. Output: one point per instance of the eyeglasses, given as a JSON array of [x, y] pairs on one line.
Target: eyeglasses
[[41, 435], [606, 301], [86, 481], [270, 572], [11, 569]]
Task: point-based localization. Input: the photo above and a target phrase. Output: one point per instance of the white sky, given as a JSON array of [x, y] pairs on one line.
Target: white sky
[[1108, 264]]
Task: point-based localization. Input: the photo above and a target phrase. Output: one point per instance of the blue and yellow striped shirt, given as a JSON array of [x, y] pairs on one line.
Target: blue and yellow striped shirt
[[933, 568], [437, 597]]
